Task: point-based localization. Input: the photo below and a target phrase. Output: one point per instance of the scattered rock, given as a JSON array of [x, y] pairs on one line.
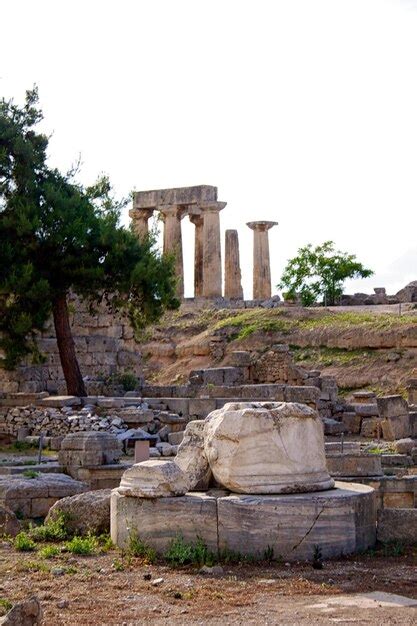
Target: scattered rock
[[216, 570], [9, 524], [26, 613], [157, 582]]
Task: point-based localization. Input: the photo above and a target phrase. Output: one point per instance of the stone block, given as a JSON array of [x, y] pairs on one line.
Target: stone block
[[305, 395], [336, 446], [158, 521], [233, 375], [404, 446], [413, 424], [353, 464], [366, 410], [201, 407], [264, 391], [353, 422], [340, 521], [111, 403], [397, 525], [213, 376], [333, 427], [392, 406], [396, 427], [364, 397], [176, 438], [371, 427], [239, 358], [58, 402], [395, 460], [404, 500]]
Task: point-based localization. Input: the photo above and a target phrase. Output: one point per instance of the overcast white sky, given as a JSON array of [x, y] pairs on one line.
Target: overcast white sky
[[300, 111]]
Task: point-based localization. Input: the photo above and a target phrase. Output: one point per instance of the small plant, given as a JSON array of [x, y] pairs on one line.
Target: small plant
[[5, 606], [394, 548], [118, 565], [269, 554], [53, 530], [182, 553], [22, 446], [317, 558], [105, 542], [49, 552], [84, 546], [137, 547], [30, 473], [24, 543]]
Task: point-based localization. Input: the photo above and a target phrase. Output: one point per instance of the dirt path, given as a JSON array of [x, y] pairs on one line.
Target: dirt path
[[91, 591]]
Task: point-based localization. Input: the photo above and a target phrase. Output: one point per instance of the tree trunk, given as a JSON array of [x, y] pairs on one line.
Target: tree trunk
[[66, 347]]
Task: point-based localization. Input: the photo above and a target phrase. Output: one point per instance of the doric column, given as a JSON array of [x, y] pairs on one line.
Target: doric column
[[197, 220], [140, 218], [261, 263], [171, 215], [212, 260], [232, 273]]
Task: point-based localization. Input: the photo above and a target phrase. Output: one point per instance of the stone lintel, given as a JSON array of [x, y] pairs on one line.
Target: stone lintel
[[261, 225], [176, 195]]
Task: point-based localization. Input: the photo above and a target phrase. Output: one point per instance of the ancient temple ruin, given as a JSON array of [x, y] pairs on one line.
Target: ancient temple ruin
[[201, 206]]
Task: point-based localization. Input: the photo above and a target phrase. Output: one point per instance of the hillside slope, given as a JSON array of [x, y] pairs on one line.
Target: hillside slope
[[363, 347]]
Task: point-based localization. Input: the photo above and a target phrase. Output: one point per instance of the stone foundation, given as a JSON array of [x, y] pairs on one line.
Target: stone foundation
[[340, 521]]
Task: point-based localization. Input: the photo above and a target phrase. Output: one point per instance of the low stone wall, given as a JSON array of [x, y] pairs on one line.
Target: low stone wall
[[399, 525]]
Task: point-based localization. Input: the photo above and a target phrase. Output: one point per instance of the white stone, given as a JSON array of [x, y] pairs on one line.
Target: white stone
[[191, 457], [267, 447], [154, 479]]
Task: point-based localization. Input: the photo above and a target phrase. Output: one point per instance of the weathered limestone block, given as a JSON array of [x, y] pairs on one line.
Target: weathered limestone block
[[85, 512], [9, 524], [371, 427], [158, 521], [26, 613], [352, 422], [191, 457], [154, 479], [340, 521], [266, 448], [397, 525], [392, 406], [353, 464], [88, 449]]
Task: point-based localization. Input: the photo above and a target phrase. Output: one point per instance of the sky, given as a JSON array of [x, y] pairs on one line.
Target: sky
[[302, 112]]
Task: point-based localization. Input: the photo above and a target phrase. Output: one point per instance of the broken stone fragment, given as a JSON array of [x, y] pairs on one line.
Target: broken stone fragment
[[154, 479], [191, 457], [267, 447]]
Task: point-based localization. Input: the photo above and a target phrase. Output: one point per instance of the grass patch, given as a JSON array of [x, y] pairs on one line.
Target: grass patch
[[30, 473], [182, 553], [331, 356], [137, 547], [5, 606], [84, 546], [53, 530], [24, 543], [49, 552], [249, 322]]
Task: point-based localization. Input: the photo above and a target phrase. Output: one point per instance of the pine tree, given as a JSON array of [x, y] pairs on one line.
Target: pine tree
[[57, 237]]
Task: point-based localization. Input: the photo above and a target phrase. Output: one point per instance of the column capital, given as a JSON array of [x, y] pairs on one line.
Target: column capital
[[261, 225], [171, 210], [140, 213], [211, 207]]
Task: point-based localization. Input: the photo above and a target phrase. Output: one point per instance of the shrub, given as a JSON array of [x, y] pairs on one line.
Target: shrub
[[137, 547], [5, 606], [182, 553], [53, 530], [48, 552], [84, 546], [24, 543], [30, 473]]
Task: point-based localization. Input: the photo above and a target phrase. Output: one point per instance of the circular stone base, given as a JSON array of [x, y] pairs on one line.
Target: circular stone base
[[339, 521]]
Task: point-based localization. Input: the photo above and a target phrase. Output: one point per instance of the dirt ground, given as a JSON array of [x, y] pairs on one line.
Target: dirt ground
[[109, 589]]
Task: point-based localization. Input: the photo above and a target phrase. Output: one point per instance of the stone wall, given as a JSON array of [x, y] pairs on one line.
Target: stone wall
[[105, 346]]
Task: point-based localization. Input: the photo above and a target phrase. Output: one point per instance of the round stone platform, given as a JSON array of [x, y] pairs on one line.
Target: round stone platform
[[340, 521]]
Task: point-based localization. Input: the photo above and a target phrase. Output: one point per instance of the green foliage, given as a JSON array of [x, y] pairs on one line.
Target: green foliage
[[118, 565], [84, 546], [60, 237], [181, 553], [137, 547], [22, 446], [320, 272], [394, 548], [30, 473], [5, 606], [24, 543], [127, 380], [49, 552], [53, 530]]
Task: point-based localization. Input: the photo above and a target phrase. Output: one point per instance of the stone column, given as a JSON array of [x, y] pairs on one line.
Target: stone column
[[197, 220], [140, 218], [171, 215], [261, 263], [232, 274], [212, 260]]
